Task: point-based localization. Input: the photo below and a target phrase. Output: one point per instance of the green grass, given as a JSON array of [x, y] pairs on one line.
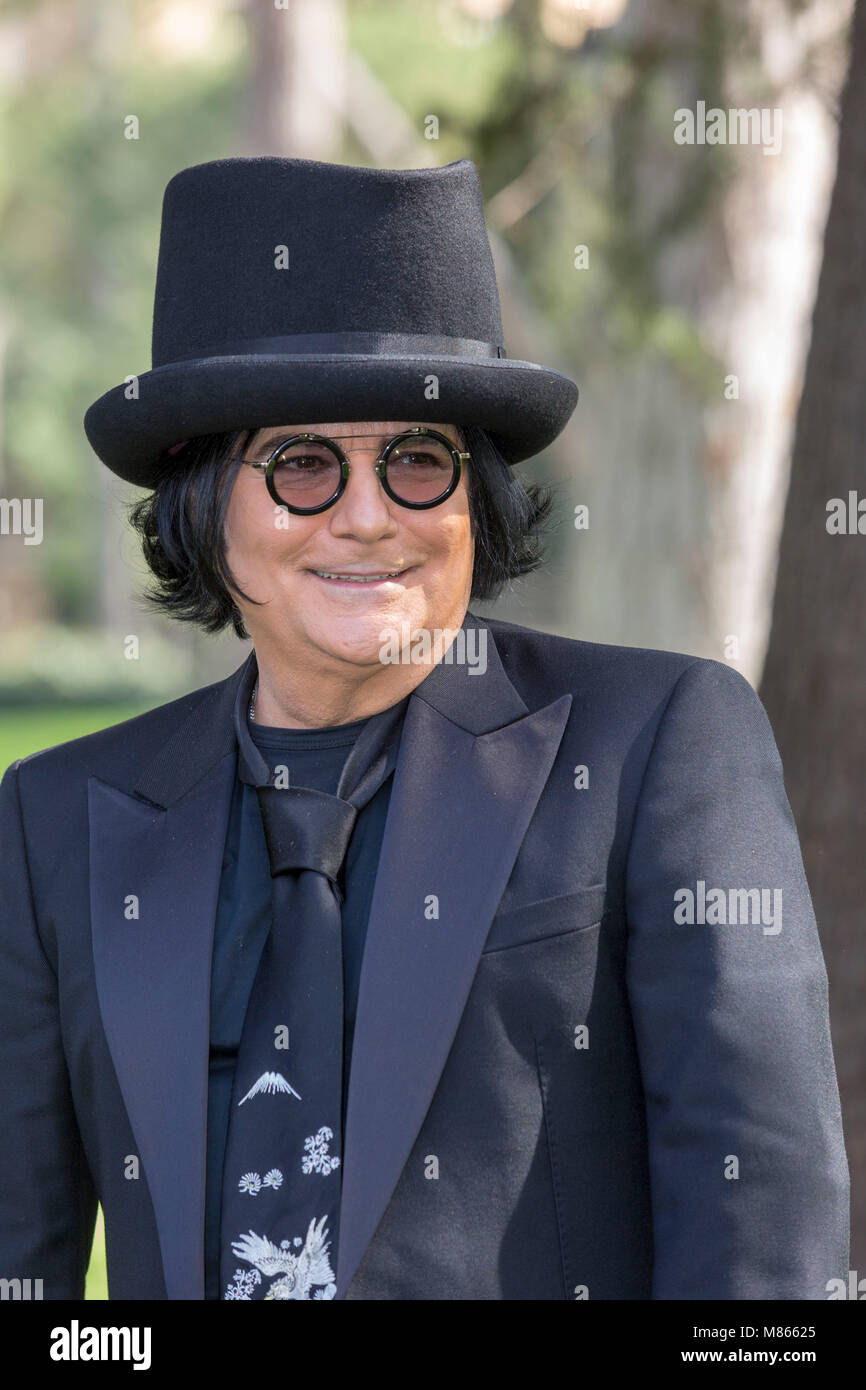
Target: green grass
[[24, 731], [28, 731], [97, 1279]]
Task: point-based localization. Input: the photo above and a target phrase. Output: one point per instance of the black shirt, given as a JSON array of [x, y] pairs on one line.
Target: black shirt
[[315, 758]]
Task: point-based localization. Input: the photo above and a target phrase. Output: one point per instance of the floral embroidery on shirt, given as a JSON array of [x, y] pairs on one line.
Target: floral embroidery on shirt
[[318, 1159], [253, 1183], [243, 1283]]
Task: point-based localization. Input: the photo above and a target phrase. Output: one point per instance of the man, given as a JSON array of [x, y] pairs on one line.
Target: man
[[426, 956]]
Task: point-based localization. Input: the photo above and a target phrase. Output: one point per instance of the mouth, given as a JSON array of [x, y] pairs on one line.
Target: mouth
[[358, 578]]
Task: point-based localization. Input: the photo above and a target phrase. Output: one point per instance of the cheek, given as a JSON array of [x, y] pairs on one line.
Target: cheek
[[448, 571], [253, 540], [249, 541], [457, 545], [242, 514]]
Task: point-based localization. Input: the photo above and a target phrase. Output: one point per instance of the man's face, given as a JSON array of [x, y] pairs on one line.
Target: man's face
[[280, 558]]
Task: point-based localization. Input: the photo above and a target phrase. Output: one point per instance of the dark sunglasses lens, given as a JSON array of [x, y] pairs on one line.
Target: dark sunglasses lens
[[420, 470], [306, 474]]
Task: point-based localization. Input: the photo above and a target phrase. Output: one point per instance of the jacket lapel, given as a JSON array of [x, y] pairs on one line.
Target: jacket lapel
[[472, 765], [155, 857]]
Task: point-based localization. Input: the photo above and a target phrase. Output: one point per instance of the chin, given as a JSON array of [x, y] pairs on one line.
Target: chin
[[357, 641], [359, 637]]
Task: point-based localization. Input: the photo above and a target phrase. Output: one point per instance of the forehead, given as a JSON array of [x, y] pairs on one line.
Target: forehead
[[377, 430]]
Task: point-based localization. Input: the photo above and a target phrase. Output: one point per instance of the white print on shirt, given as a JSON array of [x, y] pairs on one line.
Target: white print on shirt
[[253, 1184], [318, 1159], [293, 1275], [269, 1082]]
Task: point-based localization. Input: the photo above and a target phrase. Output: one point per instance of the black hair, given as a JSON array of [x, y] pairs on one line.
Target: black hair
[[181, 525]]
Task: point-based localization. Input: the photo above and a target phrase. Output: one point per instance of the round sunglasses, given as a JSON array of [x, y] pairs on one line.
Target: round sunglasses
[[307, 473]]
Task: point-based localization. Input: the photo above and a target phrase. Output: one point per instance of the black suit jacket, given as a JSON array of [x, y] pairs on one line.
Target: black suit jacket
[[559, 1088]]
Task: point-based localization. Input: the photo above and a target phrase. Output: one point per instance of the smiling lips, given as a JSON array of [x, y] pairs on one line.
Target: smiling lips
[[344, 577]]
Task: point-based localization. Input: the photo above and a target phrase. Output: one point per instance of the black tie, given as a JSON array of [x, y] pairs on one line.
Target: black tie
[[282, 1175]]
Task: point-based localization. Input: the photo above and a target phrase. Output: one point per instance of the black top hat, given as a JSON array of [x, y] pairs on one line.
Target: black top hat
[[291, 291]]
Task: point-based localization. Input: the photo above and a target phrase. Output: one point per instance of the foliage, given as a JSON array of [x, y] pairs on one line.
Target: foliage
[[584, 133], [54, 665]]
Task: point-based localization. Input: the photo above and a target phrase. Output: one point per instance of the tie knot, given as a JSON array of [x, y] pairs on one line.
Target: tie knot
[[305, 829]]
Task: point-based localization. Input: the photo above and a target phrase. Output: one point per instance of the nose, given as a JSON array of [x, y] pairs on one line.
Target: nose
[[364, 509]]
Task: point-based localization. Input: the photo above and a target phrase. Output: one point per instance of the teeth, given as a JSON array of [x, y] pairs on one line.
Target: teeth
[[357, 578]]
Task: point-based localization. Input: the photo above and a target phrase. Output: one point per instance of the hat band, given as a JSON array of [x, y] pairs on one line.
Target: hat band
[[355, 344]]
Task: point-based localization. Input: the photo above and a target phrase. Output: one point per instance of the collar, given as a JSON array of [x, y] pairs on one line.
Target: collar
[[252, 767], [381, 730]]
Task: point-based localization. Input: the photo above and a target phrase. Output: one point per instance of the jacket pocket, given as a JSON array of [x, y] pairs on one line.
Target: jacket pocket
[[575, 911]]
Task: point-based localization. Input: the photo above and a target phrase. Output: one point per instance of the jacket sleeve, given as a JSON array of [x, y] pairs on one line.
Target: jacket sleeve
[[47, 1200], [750, 1186]]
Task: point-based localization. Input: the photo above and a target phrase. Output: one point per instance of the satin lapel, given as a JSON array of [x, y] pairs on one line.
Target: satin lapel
[[472, 766], [154, 875]]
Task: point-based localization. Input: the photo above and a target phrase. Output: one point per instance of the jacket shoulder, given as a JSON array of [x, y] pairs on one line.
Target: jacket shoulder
[[551, 664]]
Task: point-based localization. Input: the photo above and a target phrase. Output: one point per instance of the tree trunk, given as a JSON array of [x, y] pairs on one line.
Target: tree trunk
[[814, 685]]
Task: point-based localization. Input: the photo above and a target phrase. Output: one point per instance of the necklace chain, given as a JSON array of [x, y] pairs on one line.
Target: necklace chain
[[253, 703]]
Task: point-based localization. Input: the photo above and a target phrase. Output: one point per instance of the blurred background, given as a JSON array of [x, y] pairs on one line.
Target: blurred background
[[707, 292]]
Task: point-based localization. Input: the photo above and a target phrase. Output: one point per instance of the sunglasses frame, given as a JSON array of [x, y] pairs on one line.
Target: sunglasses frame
[[267, 467]]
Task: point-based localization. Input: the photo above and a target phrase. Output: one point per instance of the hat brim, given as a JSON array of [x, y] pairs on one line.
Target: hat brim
[[522, 405]]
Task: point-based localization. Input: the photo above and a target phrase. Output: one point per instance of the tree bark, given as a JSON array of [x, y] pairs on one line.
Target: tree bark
[[814, 684]]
